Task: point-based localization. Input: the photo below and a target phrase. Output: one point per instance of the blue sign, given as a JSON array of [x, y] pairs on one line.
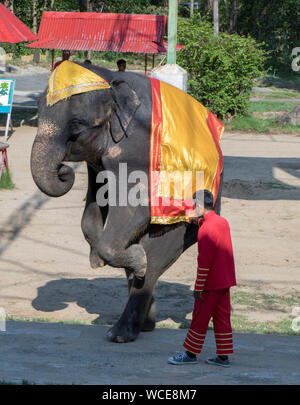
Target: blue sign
[[6, 95]]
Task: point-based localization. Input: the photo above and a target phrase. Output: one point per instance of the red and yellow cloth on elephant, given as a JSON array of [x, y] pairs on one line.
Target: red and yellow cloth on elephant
[[185, 155], [69, 78]]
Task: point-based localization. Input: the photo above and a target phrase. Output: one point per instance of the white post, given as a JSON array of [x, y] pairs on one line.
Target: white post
[[216, 16], [172, 73], [191, 8], [2, 320], [2, 60], [7, 125], [8, 120]]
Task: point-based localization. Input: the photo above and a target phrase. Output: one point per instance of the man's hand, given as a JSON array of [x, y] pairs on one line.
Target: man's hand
[[197, 295]]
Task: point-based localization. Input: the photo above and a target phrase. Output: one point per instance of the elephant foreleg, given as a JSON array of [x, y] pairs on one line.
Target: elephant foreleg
[[162, 252], [118, 245]]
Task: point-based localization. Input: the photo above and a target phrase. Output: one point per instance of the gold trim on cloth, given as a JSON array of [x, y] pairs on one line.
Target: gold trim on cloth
[[69, 79], [169, 220]]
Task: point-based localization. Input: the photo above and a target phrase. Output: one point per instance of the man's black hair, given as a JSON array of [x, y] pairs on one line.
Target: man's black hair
[[208, 199], [121, 61]]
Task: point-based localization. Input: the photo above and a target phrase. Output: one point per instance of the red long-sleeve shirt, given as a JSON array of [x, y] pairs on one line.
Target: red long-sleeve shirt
[[215, 255]]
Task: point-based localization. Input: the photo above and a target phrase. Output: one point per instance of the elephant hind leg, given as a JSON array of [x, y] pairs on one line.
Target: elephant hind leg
[[92, 228], [149, 322]]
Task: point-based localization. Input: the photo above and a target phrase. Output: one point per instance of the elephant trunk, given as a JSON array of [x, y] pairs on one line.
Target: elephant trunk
[[50, 175]]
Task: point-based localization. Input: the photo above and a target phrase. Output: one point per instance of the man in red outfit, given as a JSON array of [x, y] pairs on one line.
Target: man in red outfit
[[65, 56], [215, 276]]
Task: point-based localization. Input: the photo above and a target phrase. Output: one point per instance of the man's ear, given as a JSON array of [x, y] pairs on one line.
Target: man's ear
[[126, 102]]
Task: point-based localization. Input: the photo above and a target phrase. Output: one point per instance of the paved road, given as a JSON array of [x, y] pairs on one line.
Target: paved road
[[29, 84], [78, 354]]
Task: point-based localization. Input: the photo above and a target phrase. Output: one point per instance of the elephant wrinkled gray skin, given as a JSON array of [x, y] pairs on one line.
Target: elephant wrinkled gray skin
[[105, 128]]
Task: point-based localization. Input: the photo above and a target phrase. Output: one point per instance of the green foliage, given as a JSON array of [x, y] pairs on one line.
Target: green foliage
[[276, 23], [17, 50], [135, 6], [23, 9], [265, 106], [6, 182], [3, 89], [251, 124], [222, 69]]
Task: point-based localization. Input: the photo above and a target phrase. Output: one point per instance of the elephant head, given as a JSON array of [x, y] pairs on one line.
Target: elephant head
[[79, 128]]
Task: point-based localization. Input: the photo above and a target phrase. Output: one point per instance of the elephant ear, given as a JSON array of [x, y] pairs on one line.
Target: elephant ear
[[126, 102]]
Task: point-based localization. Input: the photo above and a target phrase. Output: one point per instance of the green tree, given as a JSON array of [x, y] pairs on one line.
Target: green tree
[[277, 23], [221, 69]]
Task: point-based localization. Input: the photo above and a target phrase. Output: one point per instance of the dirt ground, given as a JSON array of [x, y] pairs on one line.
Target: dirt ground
[[44, 265]]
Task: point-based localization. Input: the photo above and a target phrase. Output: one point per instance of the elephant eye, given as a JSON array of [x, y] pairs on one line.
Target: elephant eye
[[76, 127], [73, 137]]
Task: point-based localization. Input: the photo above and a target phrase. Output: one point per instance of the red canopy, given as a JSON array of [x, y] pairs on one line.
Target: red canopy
[[102, 32], [12, 29]]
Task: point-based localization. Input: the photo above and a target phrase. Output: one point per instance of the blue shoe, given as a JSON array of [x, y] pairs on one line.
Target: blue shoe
[[182, 358]]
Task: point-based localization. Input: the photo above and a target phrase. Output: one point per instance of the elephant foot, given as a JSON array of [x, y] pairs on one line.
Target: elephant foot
[[148, 326], [95, 259], [119, 334]]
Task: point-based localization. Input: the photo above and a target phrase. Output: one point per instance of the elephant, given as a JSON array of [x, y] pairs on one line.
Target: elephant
[[105, 128]]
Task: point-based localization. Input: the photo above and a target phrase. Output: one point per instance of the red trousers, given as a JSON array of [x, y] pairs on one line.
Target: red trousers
[[215, 305]]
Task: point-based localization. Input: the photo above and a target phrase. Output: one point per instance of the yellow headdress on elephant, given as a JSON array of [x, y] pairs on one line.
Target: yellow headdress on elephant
[[69, 79]]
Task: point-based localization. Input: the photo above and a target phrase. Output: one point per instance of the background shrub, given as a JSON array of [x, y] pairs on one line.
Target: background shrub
[[221, 69]]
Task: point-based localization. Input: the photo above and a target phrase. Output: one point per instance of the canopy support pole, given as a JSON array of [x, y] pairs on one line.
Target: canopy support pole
[[52, 59], [146, 59], [172, 32]]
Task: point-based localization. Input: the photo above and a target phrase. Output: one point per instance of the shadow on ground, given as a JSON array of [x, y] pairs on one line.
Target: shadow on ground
[[106, 298], [261, 178]]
